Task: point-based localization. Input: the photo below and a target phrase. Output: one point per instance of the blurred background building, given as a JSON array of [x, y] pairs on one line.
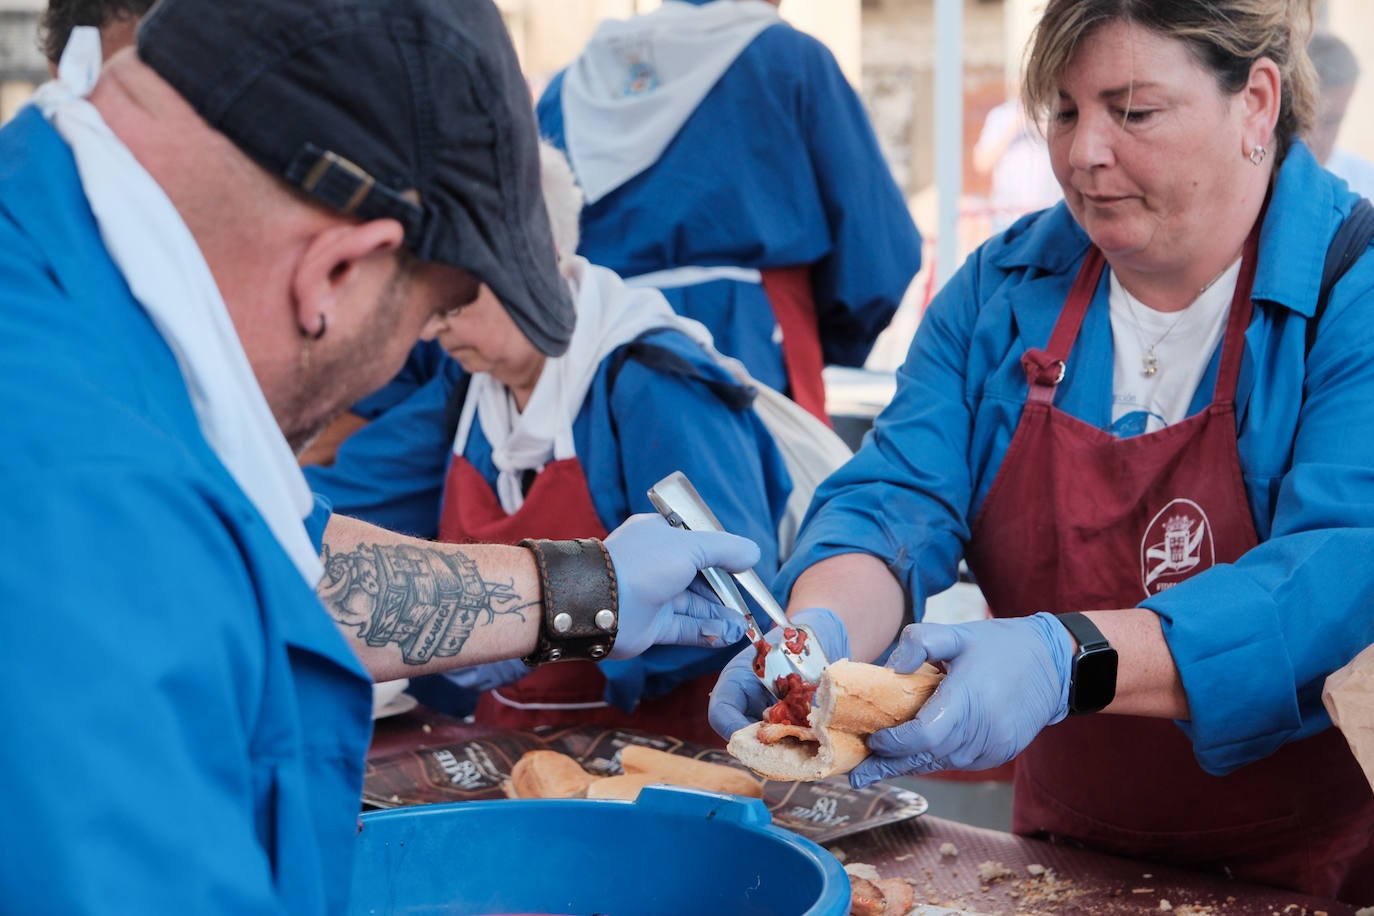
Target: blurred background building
[[888, 48]]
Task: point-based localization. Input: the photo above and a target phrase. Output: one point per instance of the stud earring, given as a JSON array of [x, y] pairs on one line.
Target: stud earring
[[1257, 154]]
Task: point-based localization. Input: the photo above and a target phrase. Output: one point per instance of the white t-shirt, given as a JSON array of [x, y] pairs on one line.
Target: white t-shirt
[[1183, 345]]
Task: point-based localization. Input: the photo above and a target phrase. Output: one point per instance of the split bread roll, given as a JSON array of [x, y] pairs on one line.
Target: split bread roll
[[547, 774], [853, 700], [677, 770]]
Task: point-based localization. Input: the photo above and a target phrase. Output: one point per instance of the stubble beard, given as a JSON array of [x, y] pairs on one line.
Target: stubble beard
[[327, 386]]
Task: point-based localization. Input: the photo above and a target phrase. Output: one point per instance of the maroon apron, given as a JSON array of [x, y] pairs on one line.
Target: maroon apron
[[559, 505], [794, 308], [1078, 519]]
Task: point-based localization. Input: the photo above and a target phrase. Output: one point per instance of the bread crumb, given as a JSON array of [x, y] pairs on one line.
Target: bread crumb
[[1036, 870], [1365, 911], [948, 849], [1142, 890], [989, 872], [863, 870], [1164, 906], [426, 728]]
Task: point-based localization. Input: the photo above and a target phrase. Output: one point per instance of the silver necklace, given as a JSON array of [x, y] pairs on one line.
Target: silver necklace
[[1149, 360]]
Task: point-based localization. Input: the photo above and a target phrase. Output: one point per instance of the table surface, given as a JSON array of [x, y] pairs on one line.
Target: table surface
[[974, 870], [970, 869]]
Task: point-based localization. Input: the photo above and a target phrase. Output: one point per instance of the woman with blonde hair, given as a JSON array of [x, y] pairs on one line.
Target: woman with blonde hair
[[1114, 412]]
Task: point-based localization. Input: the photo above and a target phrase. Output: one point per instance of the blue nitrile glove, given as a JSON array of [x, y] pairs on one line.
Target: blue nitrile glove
[[1005, 681], [662, 602], [489, 676], [739, 698]]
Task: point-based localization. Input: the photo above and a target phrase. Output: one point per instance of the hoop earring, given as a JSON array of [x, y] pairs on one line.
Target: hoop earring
[[1256, 157], [324, 324]]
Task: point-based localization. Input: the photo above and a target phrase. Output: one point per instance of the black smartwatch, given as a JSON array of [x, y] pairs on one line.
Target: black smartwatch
[[1092, 682]]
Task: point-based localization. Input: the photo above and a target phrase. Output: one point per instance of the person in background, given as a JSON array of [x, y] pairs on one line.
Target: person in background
[[1012, 149], [116, 19], [510, 442], [1111, 411], [207, 249], [1337, 73], [727, 161]]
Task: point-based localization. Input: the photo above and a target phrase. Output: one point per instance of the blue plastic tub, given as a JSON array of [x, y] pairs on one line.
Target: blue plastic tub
[[674, 851]]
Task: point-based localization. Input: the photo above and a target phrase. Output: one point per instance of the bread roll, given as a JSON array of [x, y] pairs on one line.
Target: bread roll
[[853, 700], [677, 770], [547, 774], [625, 786]]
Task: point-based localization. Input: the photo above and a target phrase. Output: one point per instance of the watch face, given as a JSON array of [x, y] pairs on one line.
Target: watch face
[[1094, 679]]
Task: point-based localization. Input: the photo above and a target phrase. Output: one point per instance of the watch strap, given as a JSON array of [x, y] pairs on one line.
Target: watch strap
[[581, 607], [1084, 631], [1092, 676]]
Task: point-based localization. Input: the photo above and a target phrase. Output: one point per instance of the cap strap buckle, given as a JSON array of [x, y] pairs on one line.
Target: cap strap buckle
[[330, 179], [343, 185]]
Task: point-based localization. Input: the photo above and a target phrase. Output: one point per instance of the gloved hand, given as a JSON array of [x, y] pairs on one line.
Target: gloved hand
[[1005, 681], [739, 697], [489, 676], [662, 602]]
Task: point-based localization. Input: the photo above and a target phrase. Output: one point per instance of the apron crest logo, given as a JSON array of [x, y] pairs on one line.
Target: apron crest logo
[[1176, 545]]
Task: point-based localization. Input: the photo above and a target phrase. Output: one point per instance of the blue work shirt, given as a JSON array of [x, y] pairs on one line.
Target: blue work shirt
[[186, 726], [1253, 640], [777, 167]]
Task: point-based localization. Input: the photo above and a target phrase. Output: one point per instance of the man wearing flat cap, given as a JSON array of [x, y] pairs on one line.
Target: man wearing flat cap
[[207, 250]]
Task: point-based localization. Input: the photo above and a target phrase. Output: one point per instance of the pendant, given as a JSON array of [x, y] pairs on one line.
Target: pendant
[[1149, 364]]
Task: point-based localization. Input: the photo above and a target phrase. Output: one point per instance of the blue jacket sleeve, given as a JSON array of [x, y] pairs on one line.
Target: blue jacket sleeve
[[876, 248], [149, 718], [905, 496]]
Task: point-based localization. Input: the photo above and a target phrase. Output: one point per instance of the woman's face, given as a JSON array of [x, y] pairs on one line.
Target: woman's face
[[483, 338], [1149, 151]]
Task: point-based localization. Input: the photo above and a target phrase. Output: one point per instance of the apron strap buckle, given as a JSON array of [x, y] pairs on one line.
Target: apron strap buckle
[[1042, 369]]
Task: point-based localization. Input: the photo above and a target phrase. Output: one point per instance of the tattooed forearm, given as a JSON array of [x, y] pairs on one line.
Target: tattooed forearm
[[425, 600]]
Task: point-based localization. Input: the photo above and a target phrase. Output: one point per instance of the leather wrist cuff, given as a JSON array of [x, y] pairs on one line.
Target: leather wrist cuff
[[581, 602]]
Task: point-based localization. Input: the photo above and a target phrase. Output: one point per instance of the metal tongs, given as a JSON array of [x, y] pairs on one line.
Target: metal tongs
[[799, 651]]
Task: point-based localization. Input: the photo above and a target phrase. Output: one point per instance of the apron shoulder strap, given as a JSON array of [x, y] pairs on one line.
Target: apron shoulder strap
[[1350, 241], [665, 360], [453, 407]]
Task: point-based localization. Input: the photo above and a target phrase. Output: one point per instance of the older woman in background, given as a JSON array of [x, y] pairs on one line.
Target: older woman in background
[[1112, 413]]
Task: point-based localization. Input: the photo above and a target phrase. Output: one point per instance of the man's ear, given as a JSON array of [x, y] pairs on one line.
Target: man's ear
[[331, 261]]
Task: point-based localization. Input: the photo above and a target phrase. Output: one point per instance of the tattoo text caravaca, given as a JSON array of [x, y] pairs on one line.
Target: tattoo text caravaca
[[424, 600]]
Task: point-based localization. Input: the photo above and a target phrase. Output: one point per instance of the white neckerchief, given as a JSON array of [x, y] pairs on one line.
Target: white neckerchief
[[638, 80], [167, 273], [609, 314]]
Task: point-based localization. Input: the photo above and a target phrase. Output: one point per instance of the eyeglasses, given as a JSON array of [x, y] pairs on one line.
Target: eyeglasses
[[450, 313]]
